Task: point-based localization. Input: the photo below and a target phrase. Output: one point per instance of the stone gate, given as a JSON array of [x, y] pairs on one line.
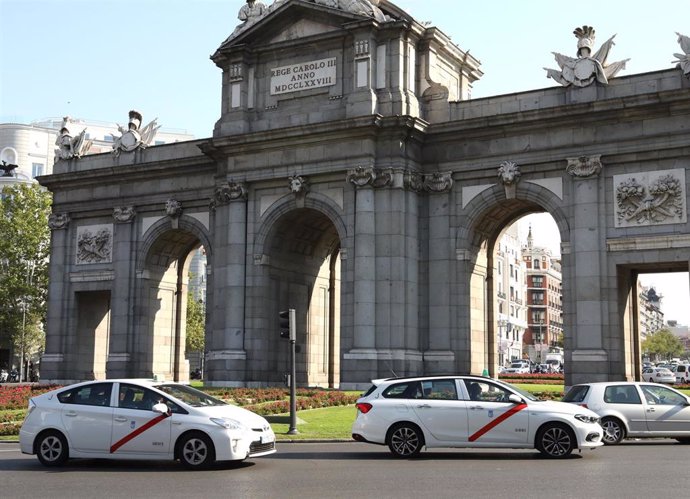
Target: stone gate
[[351, 178]]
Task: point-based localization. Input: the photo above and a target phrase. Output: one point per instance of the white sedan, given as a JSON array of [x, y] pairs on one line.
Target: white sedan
[[408, 414], [141, 419]]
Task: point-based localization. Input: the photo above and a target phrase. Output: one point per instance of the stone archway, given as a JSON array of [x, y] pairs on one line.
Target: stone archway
[[303, 272], [158, 346], [487, 217]]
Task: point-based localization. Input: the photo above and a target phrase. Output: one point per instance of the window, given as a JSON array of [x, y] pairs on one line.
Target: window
[[576, 394], [94, 394], [443, 389], [660, 395], [536, 264], [621, 394], [36, 169], [538, 281], [9, 155], [484, 391], [140, 398]]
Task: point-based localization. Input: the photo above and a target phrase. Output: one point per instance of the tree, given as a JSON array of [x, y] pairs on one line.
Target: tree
[[24, 250], [195, 325], [663, 343]]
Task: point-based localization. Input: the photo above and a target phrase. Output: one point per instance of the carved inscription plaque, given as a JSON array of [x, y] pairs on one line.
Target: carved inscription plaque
[[303, 76]]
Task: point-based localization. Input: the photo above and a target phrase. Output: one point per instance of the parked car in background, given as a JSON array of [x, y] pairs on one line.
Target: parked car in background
[[408, 414], [519, 367], [658, 375], [682, 373], [141, 419], [635, 409]]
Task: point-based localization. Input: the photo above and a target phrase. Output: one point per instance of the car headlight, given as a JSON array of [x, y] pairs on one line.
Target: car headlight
[[586, 419], [229, 424]]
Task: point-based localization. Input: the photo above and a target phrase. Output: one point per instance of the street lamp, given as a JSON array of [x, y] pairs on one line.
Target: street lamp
[[29, 280]]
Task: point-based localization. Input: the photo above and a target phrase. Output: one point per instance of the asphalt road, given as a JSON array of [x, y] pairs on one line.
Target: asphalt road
[[649, 469]]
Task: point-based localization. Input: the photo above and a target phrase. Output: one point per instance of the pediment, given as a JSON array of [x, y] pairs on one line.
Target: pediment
[[292, 20]]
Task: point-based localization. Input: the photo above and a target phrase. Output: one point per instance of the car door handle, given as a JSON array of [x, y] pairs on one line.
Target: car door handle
[[651, 409], [424, 406], [120, 419], [176, 422], [71, 414], [476, 408]]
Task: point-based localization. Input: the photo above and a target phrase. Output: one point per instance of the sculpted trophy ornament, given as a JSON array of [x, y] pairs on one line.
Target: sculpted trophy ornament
[[69, 147], [133, 137], [586, 68], [683, 60]]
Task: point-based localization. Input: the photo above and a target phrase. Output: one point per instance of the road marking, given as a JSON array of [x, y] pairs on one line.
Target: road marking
[[136, 432], [486, 428]]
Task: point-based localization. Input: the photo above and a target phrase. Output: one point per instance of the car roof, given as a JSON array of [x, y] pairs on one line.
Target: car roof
[[432, 376]]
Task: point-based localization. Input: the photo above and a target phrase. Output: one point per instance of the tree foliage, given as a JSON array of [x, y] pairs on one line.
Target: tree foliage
[[24, 250], [195, 325], [663, 343]]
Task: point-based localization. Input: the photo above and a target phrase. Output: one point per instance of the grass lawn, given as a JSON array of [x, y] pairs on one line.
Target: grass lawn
[[326, 423]]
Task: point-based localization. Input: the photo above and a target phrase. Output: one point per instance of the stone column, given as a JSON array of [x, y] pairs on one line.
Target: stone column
[[589, 360], [52, 361], [122, 295], [226, 355], [362, 358], [439, 356]]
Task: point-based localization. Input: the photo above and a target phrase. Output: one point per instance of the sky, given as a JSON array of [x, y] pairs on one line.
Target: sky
[[97, 59]]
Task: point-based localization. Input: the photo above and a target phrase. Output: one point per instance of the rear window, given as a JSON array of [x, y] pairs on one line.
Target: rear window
[[576, 394]]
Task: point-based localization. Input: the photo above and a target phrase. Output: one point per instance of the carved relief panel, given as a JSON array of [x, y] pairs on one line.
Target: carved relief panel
[[650, 198], [95, 244]]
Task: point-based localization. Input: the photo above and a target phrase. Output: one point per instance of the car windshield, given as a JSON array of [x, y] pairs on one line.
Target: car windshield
[[190, 396]]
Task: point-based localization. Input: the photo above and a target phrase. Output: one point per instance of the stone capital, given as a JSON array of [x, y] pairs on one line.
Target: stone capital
[[584, 166]]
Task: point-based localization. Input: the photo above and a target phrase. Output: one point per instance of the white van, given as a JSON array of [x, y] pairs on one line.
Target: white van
[[682, 372]]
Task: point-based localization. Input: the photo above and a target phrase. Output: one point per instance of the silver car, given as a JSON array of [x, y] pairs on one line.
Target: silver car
[[658, 375], [635, 409]]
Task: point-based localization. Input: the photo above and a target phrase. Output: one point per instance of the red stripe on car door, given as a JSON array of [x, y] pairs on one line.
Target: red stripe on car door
[[486, 428], [137, 432]]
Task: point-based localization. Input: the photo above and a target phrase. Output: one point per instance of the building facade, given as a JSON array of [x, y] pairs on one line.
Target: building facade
[[511, 288], [349, 178], [544, 299]]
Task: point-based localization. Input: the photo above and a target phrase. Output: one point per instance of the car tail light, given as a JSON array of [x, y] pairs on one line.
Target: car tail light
[[364, 407]]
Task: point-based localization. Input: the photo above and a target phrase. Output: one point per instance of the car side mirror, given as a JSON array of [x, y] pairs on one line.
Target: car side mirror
[[160, 408], [515, 399]]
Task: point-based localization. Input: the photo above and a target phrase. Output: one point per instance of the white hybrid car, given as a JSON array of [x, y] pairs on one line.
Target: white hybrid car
[[141, 419], [408, 414]]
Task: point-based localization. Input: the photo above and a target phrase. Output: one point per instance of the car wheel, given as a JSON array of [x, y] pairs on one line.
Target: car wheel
[[405, 440], [196, 451], [51, 448], [555, 441], [614, 431]]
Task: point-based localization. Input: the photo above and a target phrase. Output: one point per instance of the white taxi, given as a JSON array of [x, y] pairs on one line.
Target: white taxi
[[407, 414], [141, 419]]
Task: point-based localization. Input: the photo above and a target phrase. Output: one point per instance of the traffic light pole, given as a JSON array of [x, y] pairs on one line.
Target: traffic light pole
[[293, 375]]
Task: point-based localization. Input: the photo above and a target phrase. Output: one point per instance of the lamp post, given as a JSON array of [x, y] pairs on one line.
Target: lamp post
[[29, 280]]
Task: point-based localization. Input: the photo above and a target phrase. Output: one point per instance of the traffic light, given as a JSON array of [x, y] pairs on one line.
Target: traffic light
[[284, 324]]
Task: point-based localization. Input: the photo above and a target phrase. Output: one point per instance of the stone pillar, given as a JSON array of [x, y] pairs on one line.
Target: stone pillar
[[439, 357], [52, 361], [226, 357], [589, 360], [123, 292], [361, 360]]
